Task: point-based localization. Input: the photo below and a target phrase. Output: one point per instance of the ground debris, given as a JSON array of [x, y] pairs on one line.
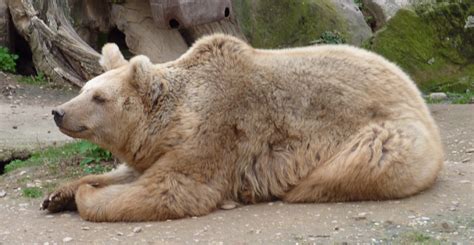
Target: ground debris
[[137, 229], [67, 239]]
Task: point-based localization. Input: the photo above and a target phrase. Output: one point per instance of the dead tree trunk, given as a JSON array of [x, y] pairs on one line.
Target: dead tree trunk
[[57, 49], [60, 41]]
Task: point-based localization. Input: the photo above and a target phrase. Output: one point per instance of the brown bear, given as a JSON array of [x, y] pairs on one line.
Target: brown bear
[[227, 122]]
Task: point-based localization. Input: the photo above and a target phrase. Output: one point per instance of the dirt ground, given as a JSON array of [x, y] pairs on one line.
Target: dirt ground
[[443, 213], [25, 116]]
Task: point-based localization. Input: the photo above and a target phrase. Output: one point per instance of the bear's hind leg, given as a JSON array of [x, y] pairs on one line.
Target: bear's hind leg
[[388, 160]]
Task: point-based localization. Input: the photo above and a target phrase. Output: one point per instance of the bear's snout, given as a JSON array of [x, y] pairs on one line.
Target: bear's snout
[[58, 116]]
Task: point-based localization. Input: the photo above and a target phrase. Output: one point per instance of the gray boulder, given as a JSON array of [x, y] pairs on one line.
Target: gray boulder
[[357, 27]]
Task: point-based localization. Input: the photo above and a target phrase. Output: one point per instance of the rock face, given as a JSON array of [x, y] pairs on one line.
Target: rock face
[[287, 23], [358, 29], [432, 45]]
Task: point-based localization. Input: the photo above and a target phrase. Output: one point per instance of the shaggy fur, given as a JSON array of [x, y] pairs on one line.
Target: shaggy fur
[[230, 122]]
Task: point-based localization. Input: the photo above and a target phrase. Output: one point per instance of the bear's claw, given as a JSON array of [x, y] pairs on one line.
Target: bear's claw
[[60, 200]]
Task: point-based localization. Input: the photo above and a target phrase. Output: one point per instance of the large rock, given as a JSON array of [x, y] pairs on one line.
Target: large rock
[[358, 29], [432, 45], [287, 23]]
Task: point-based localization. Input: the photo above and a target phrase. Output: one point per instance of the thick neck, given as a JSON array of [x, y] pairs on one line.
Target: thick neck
[[155, 134]]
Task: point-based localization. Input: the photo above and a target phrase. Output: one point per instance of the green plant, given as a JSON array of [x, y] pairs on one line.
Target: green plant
[[32, 192], [7, 60], [40, 78], [359, 4], [330, 37]]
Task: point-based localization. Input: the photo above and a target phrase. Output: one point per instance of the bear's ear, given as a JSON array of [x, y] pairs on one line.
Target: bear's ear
[[111, 57], [142, 70], [147, 82]]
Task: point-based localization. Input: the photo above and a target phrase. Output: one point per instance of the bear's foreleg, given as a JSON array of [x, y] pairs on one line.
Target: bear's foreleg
[[62, 199], [152, 197]]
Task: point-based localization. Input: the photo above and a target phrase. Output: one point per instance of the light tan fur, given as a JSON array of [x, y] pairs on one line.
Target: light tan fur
[[227, 122]]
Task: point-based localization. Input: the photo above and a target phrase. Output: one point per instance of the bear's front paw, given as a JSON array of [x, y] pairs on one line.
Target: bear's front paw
[[60, 200]]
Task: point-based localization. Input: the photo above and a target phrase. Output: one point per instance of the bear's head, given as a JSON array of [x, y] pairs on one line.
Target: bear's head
[[111, 107]]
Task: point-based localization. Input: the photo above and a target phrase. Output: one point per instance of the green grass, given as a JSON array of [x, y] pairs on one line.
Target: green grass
[[39, 79], [32, 192], [89, 156], [416, 237]]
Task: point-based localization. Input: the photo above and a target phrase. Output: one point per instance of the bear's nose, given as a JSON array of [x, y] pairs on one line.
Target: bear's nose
[[58, 116]]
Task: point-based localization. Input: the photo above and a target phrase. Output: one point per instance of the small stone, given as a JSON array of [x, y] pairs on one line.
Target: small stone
[[465, 181], [361, 216], [85, 228], [3, 193], [425, 218], [119, 233], [452, 208], [431, 61], [470, 150], [446, 227], [228, 206], [137, 229], [67, 239], [66, 215], [455, 203], [466, 160], [15, 127], [438, 96]]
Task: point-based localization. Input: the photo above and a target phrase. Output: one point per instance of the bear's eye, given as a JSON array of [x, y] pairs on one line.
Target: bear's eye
[[98, 99]]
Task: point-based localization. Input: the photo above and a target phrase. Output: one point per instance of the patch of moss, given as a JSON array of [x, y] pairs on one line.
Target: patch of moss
[[432, 45], [287, 23]]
